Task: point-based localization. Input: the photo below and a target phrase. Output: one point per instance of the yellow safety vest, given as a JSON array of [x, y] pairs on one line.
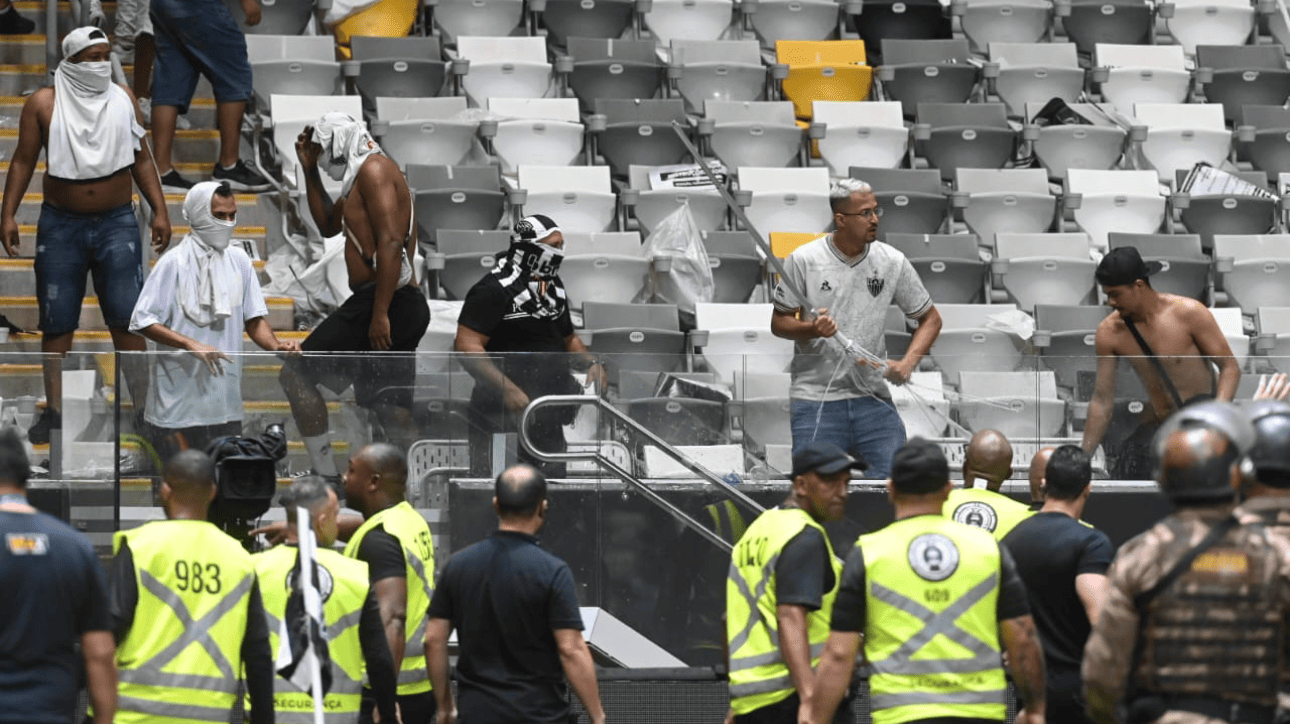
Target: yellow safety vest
[[343, 584], [758, 675], [931, 623], [182, 659], [413, 533], [992, 512]]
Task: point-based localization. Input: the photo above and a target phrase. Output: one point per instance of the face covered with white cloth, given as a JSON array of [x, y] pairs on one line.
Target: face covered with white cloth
[[346, 144], [93, 131], [205, 286]]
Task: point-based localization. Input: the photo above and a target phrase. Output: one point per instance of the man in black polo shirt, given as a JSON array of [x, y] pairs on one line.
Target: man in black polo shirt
[[1063, 563], [516, 614]]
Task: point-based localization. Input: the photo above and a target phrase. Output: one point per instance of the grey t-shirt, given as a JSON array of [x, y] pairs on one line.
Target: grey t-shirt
[[857, 293]]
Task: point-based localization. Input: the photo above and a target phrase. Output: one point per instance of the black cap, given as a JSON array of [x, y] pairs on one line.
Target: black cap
[[919, 467], [825, 458], [1124, 265]]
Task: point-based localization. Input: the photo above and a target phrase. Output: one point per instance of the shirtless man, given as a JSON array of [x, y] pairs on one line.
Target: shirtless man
[[386, 312], [1187, 344], [90, 130]]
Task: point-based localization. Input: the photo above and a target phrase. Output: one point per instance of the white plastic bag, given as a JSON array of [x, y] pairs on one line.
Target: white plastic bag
[[690, 279]]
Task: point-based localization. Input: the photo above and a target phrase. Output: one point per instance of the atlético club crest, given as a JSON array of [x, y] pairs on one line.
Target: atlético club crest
[[876, 285]]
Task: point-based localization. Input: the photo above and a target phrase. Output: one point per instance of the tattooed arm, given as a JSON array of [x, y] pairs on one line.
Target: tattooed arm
[[1026, 662]]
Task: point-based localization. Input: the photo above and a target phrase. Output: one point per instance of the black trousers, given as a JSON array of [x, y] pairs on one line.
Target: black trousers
[[785, 712], [413, 709]]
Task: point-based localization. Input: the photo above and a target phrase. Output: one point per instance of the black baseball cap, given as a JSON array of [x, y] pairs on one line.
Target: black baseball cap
[[825, 458], [919, 467], [1124, 265]]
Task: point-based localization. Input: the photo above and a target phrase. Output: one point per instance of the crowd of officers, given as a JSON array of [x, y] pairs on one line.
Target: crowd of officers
[[1187, 625]]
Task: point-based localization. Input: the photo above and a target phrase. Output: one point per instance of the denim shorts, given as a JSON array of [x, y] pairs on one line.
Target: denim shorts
[[198, 37], [108, 245]]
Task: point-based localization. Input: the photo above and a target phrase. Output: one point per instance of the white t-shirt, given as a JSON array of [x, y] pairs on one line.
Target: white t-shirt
[[857, 293], [182, 392]]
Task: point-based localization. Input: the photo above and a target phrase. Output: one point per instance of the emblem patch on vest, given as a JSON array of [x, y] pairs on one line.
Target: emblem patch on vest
[[876, 285], [324, 580], [933, 556], [977, 515]]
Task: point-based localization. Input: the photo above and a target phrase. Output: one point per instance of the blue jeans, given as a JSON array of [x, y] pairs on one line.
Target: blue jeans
[[866, 426], [108, 245]]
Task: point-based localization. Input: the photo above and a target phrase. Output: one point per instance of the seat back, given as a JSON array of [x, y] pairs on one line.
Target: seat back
[[1089, 181], [619, 243], [641, 110], [1111, 55], [924, 52], [942, 115], [1013, 180], [935, 246], [1042, 384], [820, 52], [730, 243], [783, 243], [1158, 246], [593, 179], [1051, 55], [292, 113], [691, 52], [586, 50], [283, 17], [290, 47], [732, 316], [484, 49], [366, 47], [892, 180], [849, 114], [969, 316], [1244, 247], [1180, 115], [1273, 320], [1090, 111], [753, 385], [601, 315], [790, 180], [452, 242], [777, 113], [550, 109], [1045, 246], [1057, 318], [409, 109], [422, 177], [1239, 57], [1265, 117]]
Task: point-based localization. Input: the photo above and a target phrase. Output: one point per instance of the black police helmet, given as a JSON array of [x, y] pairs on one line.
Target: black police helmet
[[1208, 478]]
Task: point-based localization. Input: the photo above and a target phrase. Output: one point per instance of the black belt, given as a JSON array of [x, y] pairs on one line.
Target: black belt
[[1243, 712]]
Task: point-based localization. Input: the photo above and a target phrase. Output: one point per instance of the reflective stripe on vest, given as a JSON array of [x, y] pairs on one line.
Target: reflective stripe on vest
[[173, 710], [342, 684], [899, 662]]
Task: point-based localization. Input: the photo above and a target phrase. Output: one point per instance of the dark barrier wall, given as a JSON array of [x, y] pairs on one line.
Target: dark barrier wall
[[641, 565]]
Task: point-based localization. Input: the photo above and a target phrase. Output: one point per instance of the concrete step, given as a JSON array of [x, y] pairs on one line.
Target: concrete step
[[194, 146], [35, 10], [21, 79], [22, 311], [23, 49], [201, 114], [250, 213], [22, 348]]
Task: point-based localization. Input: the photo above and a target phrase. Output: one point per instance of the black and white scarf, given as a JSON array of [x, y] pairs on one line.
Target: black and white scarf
[[529, 272]]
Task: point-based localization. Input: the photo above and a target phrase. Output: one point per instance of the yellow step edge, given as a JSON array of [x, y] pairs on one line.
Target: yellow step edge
[[37, 197], [21, 68], [32, 39], [176, 231], [20, 100], [198, 134], [281, 406], [196, 168]]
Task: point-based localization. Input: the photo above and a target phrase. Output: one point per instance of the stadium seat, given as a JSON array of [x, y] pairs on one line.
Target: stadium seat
[[922, 405], [456, 197], [776, 20], [753, 133], [927, 71], [384, 19], [1254, 270], [464, 256], [783, 243], [1232, 325], [1210, 214], [722, 70], [967, 343], [681, 420], [823, 70], [896, 333], [1060, 147], [1180, 135], [1120, 22], [879, 20], [1024, 73], [949, 265], [1012, 201], [1208, 22], [429, 131], [1185, 269], [504, 67], [1065, 337], [477, 18], [640, 337], [1003, 21], [1136, 74], [964, 135], [613, 69], [1273, 340], [1020, 405], [637, 132], [1264, 132], [603, 267], [650, 205], [736, 338], [536, 131], [397, 68], [282, 17], [1050, 269], [290, 114], [669, 20], [787, 199], [911, 200], [1242, 75], [1106, 201], [293, 65], [581, 198], [736, 265], [568, 19], [761, 407], [856, 133]]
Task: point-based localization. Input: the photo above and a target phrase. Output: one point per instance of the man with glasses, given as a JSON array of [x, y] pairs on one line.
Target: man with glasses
[[989, 458], [849, 282]]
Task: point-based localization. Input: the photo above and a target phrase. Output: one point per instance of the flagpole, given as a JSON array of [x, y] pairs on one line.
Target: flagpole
[[313, 602]]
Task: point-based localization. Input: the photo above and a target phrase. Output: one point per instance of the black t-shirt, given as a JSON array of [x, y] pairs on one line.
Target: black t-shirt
[[849, 608], [1051, 549], [803, 572], [383, 555], [505, 596], [53, 592], [488, 310]]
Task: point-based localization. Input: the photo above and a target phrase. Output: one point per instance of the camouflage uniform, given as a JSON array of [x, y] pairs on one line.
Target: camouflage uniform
[[1272, 512], [1234, 592]]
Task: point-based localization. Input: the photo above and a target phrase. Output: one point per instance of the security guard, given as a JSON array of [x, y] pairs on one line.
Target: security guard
[[936, 603], [187, 611], [989, 457], [779, 594], [350, 612], [1193, 629], [394, 541]]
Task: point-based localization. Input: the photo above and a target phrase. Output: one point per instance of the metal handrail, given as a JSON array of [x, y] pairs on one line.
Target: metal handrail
[[626, 475]]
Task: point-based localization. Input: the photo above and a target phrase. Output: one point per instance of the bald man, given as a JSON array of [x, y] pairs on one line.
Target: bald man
[[989, 458], [1038, 464], [179, 577]]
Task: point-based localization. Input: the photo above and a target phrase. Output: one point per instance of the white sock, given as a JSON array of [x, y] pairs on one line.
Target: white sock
[[229, 168], [320, 457]]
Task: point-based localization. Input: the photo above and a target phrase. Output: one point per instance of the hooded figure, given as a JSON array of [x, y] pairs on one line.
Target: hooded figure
[[205, 294], [93, 131], [346, 144]]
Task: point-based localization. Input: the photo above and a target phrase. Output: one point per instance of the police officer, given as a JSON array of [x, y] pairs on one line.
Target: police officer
[[187, 611], [936, 604], [779, 594], [350, 611], [989, 457], [1193, 627], [1267, 490], [394, 541]]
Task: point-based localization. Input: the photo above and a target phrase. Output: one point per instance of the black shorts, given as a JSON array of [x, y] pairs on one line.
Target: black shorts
[[377, 377]]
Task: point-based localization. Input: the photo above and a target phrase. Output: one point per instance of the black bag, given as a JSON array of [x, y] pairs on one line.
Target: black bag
[[1056, 113]]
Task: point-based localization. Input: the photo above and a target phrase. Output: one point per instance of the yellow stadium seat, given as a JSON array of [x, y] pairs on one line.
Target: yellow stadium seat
[[782, 243], [385, 19], [819, 52], [823, 70]]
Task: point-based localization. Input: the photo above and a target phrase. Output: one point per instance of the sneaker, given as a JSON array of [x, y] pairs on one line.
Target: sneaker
[[50, 419], [172, 182], [241, 177], [11, 23]]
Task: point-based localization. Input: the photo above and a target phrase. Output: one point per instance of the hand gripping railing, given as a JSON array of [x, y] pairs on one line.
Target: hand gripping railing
[[626, 475]]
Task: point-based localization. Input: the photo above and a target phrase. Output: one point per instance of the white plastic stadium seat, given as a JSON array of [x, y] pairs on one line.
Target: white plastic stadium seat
[[1045, 269], [1254, 270], [670, 20], [608, 266], [966, 343], [504, 67], [1004, 201], [861, 133], [752, 133], [428, 131], [787, 199], [1106, 201], [739, 339], [1141, 74], [580, 197], [1180, 135], [536, 131], [1017, 404]]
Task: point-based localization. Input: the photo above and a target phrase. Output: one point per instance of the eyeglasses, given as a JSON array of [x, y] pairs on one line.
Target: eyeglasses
[[874, 213]]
